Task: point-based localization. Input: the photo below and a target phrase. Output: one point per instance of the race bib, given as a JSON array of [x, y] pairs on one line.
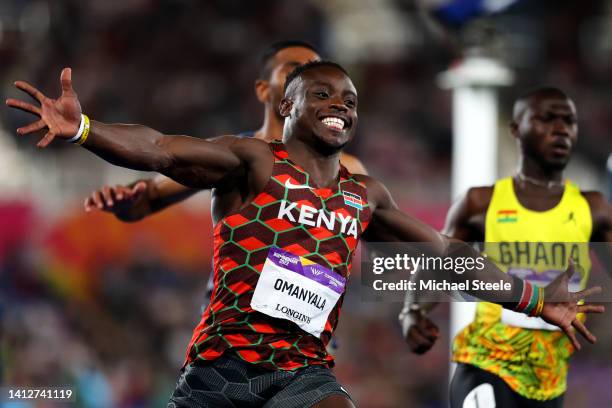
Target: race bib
[[537, 279], [293, 288]]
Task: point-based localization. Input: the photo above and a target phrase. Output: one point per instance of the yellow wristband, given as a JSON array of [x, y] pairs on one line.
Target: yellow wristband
[[540, 305], [83, 137]]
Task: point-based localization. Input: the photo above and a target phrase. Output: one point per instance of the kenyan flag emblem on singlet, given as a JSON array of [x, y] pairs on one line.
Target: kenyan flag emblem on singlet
[[353, 200], [507, 216]]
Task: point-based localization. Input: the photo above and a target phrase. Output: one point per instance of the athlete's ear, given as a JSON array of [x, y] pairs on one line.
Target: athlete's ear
[[262, 90], [514, 129], [285, 107]]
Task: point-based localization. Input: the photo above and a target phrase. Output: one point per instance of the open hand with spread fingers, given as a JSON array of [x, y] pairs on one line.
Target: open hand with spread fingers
[[61, 117], [561, 306], [115, 199]]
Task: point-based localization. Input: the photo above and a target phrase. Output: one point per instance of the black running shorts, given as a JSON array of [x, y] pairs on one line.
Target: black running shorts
[[472, 387], [231, 382]]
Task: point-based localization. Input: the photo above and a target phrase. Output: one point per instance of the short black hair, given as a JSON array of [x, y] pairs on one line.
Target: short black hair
[[545, 91], [542, 91], [265, 66], [299, 70]]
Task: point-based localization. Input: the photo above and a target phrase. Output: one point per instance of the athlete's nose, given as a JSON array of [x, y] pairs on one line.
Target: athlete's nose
[[338, 104], [560, 127]]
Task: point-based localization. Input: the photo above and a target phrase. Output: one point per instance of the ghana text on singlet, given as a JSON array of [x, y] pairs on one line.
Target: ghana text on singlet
[[530, 355], [300, 241]]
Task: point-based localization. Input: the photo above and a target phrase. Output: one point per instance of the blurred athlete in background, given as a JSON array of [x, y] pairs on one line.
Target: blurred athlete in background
[[505, 359]]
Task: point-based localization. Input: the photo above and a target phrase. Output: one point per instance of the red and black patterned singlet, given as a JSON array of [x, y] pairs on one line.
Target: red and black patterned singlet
[[284, 215]]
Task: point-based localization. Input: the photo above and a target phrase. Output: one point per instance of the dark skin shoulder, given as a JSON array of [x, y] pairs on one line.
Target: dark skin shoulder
[[601, 211], [239, 188], [466, 217]]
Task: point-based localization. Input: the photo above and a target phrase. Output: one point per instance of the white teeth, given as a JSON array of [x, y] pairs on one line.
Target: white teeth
[[333, 123]]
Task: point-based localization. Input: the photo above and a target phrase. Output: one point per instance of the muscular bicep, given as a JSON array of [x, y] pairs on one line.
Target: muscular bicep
[[390, 224], [199, 164], [601, 211], [193, 162], [605, 234], [465, 219], [393, 225], [605, 230]]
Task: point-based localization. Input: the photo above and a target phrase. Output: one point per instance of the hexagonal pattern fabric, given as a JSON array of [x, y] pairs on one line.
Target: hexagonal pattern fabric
[[322, 225]]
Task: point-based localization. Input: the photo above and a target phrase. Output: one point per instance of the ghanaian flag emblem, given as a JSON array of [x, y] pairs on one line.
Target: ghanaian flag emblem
[[507, 216]]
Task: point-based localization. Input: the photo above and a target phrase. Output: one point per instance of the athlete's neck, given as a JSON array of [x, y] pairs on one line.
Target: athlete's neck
[[272, 127], [322, 168], [535, 170]]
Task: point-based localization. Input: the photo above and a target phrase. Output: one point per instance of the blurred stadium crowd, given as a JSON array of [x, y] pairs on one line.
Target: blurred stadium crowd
[[108, 308]]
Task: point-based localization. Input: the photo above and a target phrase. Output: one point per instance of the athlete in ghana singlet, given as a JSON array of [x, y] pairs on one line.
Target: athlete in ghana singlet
[[287, 218], [530, 223]]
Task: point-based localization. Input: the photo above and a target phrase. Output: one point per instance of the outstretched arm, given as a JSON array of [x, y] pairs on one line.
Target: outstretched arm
[[390, 224], [560, 306], [135, 201], [601, 211], [464, 221], [190, 161]]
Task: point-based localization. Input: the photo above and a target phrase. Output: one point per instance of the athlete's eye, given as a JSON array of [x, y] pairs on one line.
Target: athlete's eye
[[548, 118], [322, 94], [570, 120], [350, 103]]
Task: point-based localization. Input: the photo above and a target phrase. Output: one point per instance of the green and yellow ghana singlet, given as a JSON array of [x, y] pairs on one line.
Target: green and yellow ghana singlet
[[530, 355]]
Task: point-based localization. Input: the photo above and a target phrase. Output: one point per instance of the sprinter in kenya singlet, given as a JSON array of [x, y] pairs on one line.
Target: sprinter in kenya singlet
[[281, 266]]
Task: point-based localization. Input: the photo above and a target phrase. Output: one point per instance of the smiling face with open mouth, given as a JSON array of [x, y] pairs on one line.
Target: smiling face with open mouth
[[325, 107]]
